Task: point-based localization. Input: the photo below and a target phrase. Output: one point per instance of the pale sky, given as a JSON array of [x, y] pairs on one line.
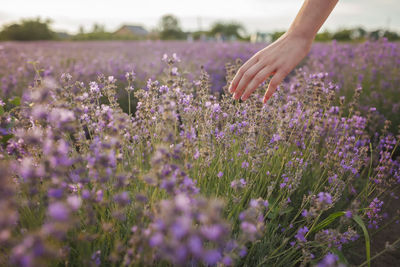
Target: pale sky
[[255, 15]]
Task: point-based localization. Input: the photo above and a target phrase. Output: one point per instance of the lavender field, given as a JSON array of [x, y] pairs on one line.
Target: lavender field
[[134, 154]]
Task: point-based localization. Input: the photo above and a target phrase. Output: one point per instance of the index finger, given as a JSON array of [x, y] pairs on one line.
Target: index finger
[[241, 71]]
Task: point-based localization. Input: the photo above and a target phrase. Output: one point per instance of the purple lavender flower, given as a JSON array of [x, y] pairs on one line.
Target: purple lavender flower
[[237, 184], [130, 76], [74, 202], [58, 211], [248, 227], [196, 245], [227, 261], [55, 192], [184, 227], [156, 240], [300, 234], [243, 252], [94, 88], [245, 164], [349, 214], [374, 216], [324, 198], [275, 138], [99, 195], [212, 257], [122, 198], [330, 260], [96, 257], [305, 213], [111, 79]]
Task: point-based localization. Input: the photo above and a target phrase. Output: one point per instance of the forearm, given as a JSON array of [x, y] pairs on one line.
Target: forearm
[[310, 18]]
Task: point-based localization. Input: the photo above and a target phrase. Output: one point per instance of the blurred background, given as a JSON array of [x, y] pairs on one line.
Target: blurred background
[[207, 20]]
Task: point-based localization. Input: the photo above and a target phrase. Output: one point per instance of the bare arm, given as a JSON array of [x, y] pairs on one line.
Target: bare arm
[[280, 57]]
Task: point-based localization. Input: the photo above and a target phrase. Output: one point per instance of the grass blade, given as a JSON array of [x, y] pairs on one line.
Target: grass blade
[[360, 222], [327, 221]]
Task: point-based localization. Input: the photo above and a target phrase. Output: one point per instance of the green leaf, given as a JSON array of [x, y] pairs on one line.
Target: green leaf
[[16, 101], [360, 222], [1, 110], [5, 138], [327, 221]]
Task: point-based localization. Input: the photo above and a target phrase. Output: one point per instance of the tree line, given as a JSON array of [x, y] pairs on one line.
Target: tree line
[[169, 28]]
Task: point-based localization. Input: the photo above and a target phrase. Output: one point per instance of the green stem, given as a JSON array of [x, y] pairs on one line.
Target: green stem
[[129, 103], [380, 253]]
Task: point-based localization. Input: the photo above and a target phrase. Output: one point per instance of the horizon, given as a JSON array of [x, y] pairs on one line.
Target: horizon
[[193, 16]]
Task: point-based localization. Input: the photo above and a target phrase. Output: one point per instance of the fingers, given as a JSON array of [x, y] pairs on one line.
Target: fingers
[[257, 80], [240, 73], [246, 79], [275, 81]]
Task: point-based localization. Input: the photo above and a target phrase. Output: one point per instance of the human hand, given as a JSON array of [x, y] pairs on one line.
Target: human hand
[[277, 59]]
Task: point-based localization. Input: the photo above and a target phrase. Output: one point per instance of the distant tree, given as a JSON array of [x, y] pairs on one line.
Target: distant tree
[[391, 36], [81, 29], [154, 34], [228, 29], [342, 35], [170, 23], [97, 28], [324, 36], [375, 35], [170, 28], [98, 33], [275, 36], [28, 30], [358, 33]]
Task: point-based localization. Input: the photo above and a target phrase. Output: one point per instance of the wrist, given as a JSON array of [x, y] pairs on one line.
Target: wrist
[[303, 36], [300, 39]]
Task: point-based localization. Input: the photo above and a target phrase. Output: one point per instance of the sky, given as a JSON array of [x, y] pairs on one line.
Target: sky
[[255, 15]]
